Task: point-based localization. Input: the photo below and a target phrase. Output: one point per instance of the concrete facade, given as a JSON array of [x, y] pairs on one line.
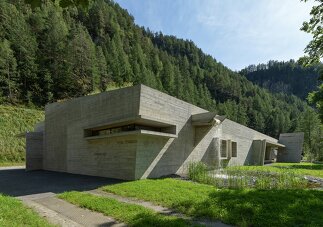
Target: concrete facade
[[294, 147], [138, 132]]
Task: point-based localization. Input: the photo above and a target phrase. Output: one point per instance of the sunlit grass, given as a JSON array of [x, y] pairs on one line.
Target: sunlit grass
[[14, 121], [131, 214], [6, 164], [14, 213], [242, 207]]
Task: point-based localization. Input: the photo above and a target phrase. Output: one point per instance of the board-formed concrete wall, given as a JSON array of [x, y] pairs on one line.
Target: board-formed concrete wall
[[169, 155], [68, 148], [68, 151], [34, 150], [249, 152], [294, 147]]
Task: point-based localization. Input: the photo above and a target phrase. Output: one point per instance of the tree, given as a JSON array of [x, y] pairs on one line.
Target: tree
[[62, 3], [52, 55], [314, 27], [316, 98], [309, 123], [82, 62], [315, 50], [102, 79], [8, 71]]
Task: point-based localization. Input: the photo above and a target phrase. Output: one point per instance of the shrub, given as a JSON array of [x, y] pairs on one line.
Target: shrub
[[238, 178]]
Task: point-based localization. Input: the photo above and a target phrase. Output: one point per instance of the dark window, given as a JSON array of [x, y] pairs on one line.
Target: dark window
[[224, 153], [234, 149], [124, 128]]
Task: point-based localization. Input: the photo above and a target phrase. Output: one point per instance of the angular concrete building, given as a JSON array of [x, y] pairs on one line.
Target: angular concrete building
[[138, 132]]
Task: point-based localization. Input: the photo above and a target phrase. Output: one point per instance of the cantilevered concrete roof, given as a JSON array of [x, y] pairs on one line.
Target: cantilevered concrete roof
[[207, 118], [274, 144]]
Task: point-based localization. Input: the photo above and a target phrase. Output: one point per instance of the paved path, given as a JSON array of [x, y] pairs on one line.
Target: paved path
[[38, 189], [65, 214], [158, 209]]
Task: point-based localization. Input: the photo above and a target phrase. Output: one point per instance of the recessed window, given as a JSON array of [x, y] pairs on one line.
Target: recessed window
[[124, 128], [224, 152], [127, 128], [234, 151]]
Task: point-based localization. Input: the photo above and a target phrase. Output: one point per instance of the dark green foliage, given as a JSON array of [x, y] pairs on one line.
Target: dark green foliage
[[286, 77], [57, 53], [62, 3], [314, 49]]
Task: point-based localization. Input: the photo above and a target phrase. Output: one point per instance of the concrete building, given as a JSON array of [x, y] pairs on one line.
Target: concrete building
[[138, 132]]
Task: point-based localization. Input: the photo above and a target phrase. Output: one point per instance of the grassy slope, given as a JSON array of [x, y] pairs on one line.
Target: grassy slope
[[13, 213], [310, 169], [13, 121], [239, 207], [132, 214]]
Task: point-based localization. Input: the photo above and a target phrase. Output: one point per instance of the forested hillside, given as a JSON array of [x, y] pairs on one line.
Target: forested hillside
[[286, 77], [49, 53]]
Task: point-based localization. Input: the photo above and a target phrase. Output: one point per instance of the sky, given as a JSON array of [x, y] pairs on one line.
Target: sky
[[235, 32]]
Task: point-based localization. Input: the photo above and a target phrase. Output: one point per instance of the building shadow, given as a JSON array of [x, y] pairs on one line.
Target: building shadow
[[18, 182]]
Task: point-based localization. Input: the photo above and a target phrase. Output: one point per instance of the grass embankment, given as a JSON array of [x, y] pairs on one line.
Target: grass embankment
[[14, 213], [13, 121], [248, 207], [310, 169], [131, 214]]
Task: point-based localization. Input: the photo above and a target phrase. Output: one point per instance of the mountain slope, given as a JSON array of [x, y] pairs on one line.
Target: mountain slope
[[49, 54], [286, 77]]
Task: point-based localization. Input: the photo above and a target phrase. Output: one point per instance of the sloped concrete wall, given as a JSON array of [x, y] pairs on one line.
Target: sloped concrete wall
[[175, 153], [34, 150], [68, 151], [294, 147], [248, 151]]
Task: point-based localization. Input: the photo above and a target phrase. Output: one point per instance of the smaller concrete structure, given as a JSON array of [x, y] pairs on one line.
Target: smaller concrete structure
[[294, 147]]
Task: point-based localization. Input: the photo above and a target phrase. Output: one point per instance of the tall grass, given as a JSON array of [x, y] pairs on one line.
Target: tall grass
[[238, 178], [13, 121]]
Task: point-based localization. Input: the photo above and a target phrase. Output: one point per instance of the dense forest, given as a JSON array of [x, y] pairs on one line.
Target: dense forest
[[286, 77], [49, 54]]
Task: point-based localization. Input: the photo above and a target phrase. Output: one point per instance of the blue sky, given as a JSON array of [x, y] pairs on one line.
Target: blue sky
[[235, 32]]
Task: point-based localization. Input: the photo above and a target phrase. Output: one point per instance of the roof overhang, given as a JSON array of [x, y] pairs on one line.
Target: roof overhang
[[206, 119], [274, 144]]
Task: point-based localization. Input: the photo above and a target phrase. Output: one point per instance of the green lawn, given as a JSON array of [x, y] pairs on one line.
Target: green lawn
[[13, 121], [248, 207], [6, 164], [131, 214], [14, 213], [310, 169]]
